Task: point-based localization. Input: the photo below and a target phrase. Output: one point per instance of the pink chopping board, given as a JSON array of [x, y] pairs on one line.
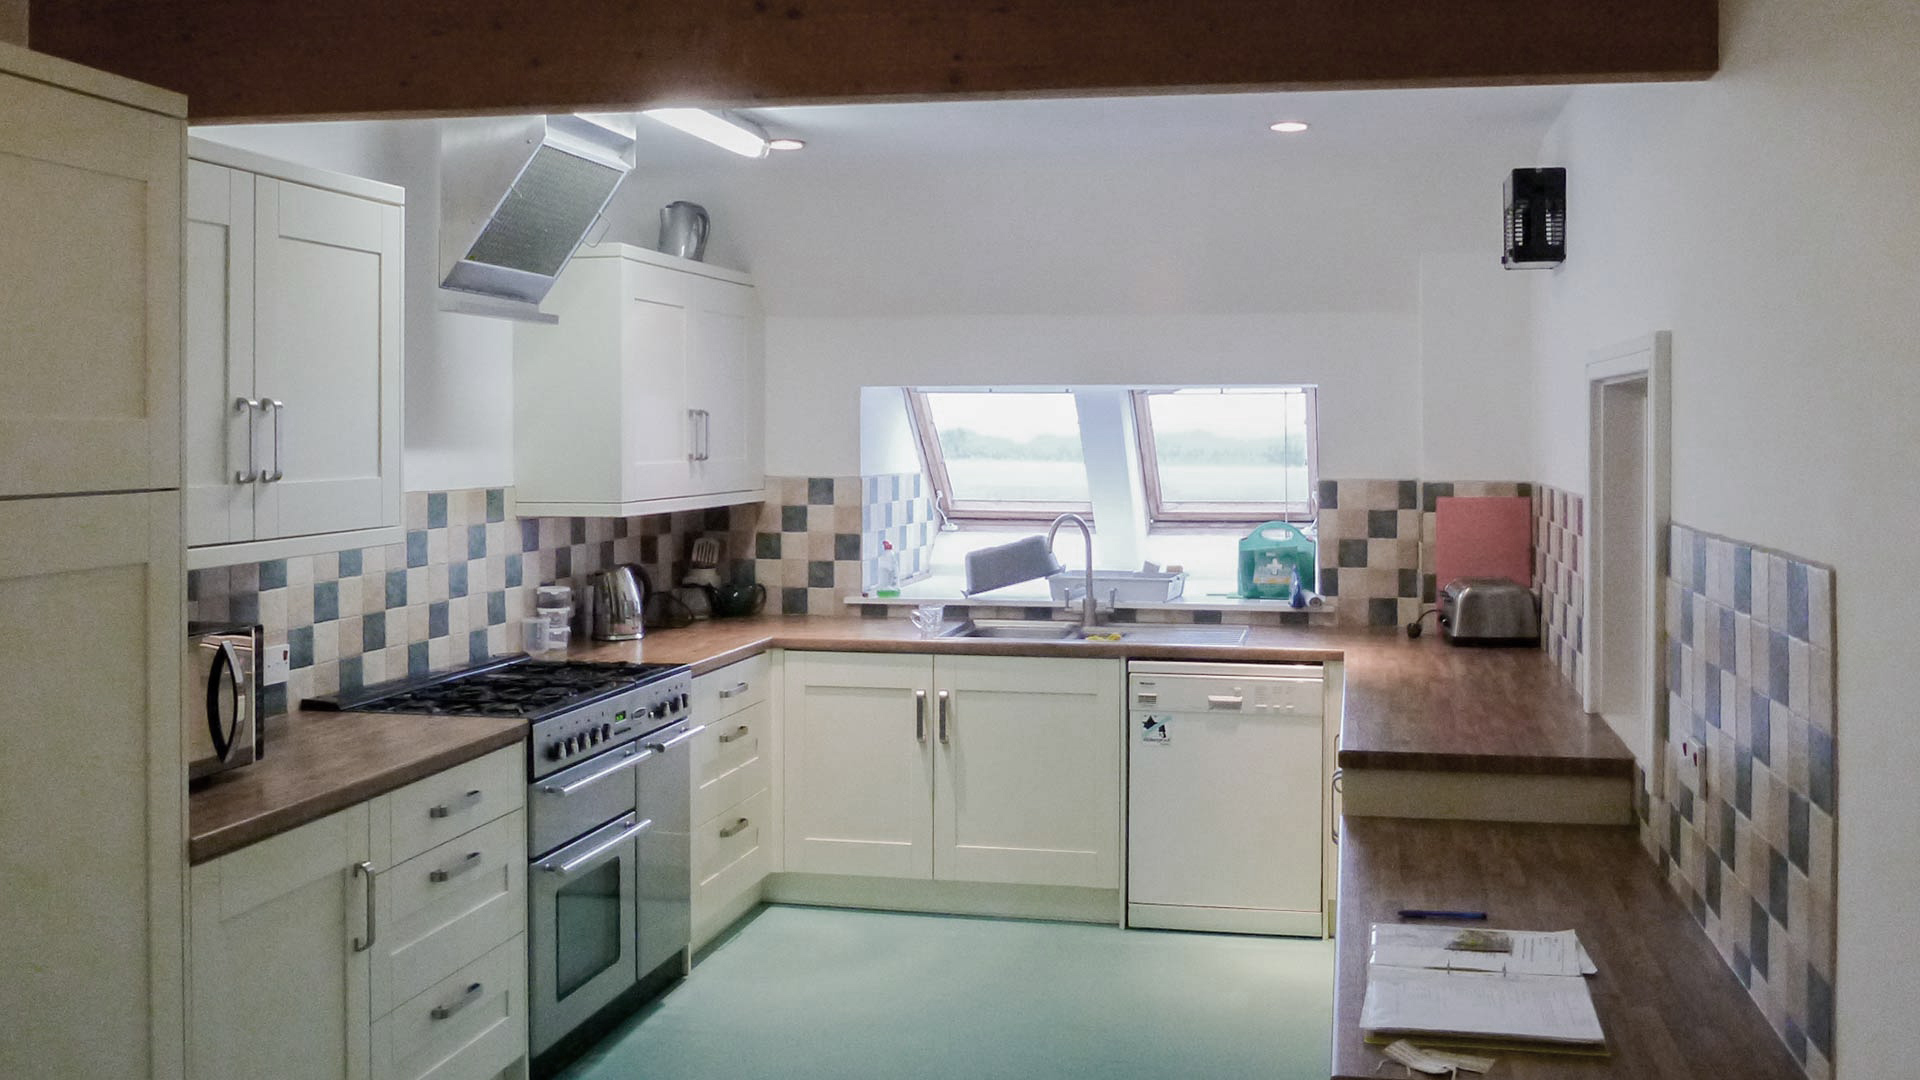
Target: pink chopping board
[[1483, 537]]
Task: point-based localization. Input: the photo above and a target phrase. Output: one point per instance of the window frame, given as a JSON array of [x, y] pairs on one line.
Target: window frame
[[976, 511], [1163, 516]]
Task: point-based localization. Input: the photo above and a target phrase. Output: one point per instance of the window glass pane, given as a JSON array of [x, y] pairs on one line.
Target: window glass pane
[[1011, 447], [1236, 446]]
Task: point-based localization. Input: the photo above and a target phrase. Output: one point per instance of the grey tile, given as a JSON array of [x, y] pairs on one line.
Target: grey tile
[[515, 571], [1757, 936], [1329, 495], [1820, 1011], [1206, 618], [300, 647], [273, 574], [437, 619], [1743, 780], [417, 663], [1796, 1040], [529, 534], [1728, 844], [1777, 667], [793, 519], [1820, 768], [497, 608], [496, 504], [1742, 965], [457, 579], [1797, 599], [326, 601], [1777, 887], [1409, 493], [1329, 581], [273, 700], [476, 542], [350, 563], [396, 588], [1383, 524], [793, 601], [1353, 553], [244, 607], [562, 567], [351, 677], [1409, 583], [1797, 830], [436, 509], [477, 650], [576, 530], [1383, 611], [1431, 494], [373, 631], [417, 548], [1743, 579], [1710, 887], [766, 545], [820, 491], [1760, 727], [846, 546]]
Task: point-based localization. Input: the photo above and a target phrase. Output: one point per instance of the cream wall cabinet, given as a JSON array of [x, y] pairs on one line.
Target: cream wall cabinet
[[647, 395], [953, 768], [293, 361]]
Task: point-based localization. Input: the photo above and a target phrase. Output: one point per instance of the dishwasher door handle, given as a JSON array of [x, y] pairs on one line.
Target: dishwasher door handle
[[1225, 701]]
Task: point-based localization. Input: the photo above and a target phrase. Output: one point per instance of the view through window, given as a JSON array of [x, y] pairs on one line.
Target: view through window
[[1007, 455], [1227, 455]]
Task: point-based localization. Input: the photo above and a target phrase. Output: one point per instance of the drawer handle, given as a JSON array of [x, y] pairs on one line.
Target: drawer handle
[[736, 735], [733, 830], [467, 997], [733, 691], [460, 805], [365, 869], [920, 716], [448, 873], [946, 700], [1225, 701]]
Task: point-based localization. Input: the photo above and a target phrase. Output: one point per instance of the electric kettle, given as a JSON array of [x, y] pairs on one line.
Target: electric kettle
[[683, 230], [614, 604]]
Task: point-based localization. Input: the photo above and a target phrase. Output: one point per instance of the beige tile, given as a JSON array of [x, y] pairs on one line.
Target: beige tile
[[373, 561], [273, 611], [417, 622], [440, 654], [350, 637], [819, 545], [326, 678], [299, 606], [326, 643], [325, 566], [373, 668], [416, 509]]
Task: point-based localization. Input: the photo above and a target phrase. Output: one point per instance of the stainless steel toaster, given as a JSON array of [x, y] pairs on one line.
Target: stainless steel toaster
[[1489, 611]]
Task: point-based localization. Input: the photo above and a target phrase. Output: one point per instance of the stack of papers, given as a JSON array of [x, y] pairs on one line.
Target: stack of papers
[[1493, 987]]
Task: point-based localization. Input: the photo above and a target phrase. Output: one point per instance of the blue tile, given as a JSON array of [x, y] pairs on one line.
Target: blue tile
[[476, 541], [273, 700], [300, 647], [417, 548], [497, 608], [1796, 1041], [1743, 780], [1675, 670], [496, 504], [476, 646], [515, 573], [326, 601], [1820, 1011], [1757, 936], [437, 620], [1686, 619], [373, 631], [1797, 830], [1729, 647], [1797, 600], [1760, 727], [1742, 966], [1713, 885], [1777, 887], [1777, 667], [1699, 583], [529, 534], [1820, 768], [1728, 844], [352, 677], [417, 663], [396, 588], [350, 563], [457, 579], [273, 574], [576, 530], [1712, 696], [436, 509], [1743, 579]]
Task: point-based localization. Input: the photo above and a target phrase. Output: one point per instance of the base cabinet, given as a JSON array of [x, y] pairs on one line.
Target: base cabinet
[[999, 770], [734, 843]]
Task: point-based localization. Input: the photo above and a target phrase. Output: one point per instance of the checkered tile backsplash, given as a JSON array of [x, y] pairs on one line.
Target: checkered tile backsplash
[[1369, 537], [1559, 536], [819, 537], [1749, 843]]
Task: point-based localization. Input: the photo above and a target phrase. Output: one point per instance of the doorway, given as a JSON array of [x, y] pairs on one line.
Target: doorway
[[1628, 451]]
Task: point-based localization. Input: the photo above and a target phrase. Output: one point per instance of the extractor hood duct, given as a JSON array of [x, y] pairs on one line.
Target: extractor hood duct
[[517, 196]]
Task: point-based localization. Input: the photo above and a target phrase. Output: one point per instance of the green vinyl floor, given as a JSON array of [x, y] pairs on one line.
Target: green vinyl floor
[[798, 993]]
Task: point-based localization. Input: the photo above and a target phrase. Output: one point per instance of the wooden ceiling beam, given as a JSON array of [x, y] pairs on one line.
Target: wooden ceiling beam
[[286, 59]]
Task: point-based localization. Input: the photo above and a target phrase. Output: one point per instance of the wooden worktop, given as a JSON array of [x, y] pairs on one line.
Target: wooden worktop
[[1410, 704], [1671, 1009], [320, 762]]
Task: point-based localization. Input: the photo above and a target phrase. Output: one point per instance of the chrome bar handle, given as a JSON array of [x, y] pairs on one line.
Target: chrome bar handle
[[733, 691], [706, 435], [247, 405], [920, 715], [365, 869], [693, 434], [733, 830], [277, 408], [663, 747], [735, 735], [467, 997], [454, 806], [946, 706], [628, 758], [578, 860], [448, 873]]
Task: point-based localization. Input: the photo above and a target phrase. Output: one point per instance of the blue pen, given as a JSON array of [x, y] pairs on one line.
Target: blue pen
[[1423, 913]]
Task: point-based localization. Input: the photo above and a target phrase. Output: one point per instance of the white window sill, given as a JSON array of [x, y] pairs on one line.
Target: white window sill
[[947, 592]]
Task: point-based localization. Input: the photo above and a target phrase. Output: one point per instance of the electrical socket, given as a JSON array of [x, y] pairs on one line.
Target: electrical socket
[[276, 663], [1692, 768]]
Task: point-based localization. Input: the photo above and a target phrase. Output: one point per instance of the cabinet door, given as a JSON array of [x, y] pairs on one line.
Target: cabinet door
[[90, 260], [858, 767], [727, 386], [91, 788], [327, 347], [1027, 780], [656, 423], [278, 988], [221, 451]]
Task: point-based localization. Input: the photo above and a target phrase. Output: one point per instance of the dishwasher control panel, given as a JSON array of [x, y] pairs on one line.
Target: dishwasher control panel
[[1255, 690]]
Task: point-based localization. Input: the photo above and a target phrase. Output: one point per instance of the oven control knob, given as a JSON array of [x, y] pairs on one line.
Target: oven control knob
[[570, 746], [593, 736], [553, 751], [606, 731], [686, 701], [657, 711]]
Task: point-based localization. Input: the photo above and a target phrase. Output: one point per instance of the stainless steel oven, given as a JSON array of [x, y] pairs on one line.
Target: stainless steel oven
[[583, 933]]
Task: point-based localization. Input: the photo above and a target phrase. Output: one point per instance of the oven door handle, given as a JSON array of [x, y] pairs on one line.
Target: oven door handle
[[629, 758], [568, 867], [663, 747]]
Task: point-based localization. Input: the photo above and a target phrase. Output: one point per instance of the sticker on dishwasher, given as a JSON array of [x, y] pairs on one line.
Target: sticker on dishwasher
[[1154, 730]]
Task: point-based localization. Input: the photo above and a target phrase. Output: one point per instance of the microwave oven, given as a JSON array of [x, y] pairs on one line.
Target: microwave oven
[[221, 706]]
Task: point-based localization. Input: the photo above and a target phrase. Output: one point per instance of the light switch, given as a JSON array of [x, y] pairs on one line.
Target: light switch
[[275, 665]]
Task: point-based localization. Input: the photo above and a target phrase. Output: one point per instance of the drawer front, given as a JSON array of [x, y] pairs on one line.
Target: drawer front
[[730, 854], [430, 812], [731, 759], [469, 1026], [719, 694], [444, 908]]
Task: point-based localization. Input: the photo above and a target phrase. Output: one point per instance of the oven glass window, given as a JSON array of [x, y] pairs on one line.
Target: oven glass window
[[587, 918]]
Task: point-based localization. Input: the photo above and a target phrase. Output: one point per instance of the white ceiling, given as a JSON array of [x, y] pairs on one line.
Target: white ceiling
[[1207, 124]]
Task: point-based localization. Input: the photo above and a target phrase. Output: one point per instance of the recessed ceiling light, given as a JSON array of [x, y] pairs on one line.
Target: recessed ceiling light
[[786, 144], [1290, 127]]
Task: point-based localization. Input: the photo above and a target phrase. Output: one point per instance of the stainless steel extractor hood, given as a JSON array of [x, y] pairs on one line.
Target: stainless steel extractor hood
[[517, 196]]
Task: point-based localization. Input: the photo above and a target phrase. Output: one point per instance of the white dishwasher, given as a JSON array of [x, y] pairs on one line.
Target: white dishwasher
[[1224, 797]]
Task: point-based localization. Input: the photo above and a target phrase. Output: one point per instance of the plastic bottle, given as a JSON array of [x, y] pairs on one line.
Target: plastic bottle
[[886, 578]]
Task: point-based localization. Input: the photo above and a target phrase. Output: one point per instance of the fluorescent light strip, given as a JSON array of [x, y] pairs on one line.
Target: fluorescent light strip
[[727, 133]]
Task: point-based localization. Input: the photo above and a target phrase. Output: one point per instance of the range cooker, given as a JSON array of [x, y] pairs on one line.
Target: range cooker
[[608, 826]]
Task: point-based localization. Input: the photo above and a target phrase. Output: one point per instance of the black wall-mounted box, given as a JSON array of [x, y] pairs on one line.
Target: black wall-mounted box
[[1536, 219]]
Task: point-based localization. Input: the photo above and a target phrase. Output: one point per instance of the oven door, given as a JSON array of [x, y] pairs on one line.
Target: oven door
[[581, 933]]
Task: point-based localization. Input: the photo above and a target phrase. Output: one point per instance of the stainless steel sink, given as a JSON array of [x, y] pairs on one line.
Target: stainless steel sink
[[1017, 630]]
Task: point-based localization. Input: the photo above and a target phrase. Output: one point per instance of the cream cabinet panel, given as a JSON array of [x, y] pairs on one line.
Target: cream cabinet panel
[[859, 768], [646, 395], [91, 874], [90, 258], [472, 1025], [1027, 771], [279, 989], [731, 758], [221, 454], [442, 907]]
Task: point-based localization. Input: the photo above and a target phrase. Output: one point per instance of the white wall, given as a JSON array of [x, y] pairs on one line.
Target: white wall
[[1115, 264], [1771, 219], [459, 368], [1476, 369]]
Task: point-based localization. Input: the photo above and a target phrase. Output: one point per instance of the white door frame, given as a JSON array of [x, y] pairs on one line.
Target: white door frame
[[1647, 358]]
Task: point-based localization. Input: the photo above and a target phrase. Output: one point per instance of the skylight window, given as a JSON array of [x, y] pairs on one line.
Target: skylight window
[[1003, 455], [1227, 455]]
